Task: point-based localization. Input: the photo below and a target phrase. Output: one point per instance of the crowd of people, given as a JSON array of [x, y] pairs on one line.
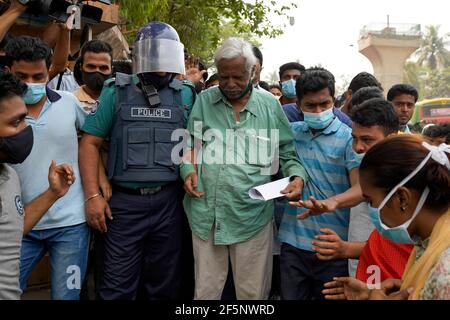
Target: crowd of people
[[134, 177]]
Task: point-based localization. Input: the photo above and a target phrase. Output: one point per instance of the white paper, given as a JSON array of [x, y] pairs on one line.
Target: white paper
[[269, 190]]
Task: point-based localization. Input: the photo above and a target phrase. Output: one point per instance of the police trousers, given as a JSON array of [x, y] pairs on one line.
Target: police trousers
[[142, 247]]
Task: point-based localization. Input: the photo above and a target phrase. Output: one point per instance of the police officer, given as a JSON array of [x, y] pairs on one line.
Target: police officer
[[143, 220]]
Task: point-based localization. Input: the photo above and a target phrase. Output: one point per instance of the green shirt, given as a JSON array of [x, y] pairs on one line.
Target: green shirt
[[226, 203], [100, 122]]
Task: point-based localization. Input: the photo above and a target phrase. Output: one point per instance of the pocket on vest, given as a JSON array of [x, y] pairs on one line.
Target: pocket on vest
[[138, 146], [163, 147]]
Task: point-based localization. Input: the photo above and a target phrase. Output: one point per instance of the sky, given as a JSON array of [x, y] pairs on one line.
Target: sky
[[326, 32]]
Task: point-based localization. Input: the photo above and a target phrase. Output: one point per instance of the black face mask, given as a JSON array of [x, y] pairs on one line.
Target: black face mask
[[3, 62], [15, 149], [199, 87], [95, 80], [158, 81]]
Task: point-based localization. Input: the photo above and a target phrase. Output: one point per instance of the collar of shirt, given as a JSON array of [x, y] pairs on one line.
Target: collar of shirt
[[53, 96], [46, 106], [83, 96], [250, 106]]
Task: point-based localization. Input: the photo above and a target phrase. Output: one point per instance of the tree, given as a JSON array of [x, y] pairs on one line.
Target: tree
[[413, 73], [273, 77], [342, 84], [437, 84], [203, 24], [429, 68], [432, 51]]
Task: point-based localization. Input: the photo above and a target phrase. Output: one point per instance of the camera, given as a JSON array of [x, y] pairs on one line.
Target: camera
[[60, 9]]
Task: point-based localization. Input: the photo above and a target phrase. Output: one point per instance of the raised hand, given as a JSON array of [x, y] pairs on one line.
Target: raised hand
[[193, 72], [315, 207], [60, 178]]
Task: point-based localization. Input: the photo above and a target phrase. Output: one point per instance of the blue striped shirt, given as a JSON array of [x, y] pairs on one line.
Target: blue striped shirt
[[328, 158]]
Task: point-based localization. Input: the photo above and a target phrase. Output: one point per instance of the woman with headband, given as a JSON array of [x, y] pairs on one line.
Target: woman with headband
[[407, 184]]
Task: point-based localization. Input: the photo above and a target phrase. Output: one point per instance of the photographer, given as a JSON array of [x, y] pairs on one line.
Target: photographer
[[56, 35]]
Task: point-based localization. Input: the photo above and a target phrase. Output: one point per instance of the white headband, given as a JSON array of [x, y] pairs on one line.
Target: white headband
[[438, 153]]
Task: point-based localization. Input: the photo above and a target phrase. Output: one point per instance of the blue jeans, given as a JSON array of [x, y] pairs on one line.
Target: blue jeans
[[68, 250]]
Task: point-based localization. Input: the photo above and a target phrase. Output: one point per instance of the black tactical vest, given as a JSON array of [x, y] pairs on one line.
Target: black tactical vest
[[140, 140]]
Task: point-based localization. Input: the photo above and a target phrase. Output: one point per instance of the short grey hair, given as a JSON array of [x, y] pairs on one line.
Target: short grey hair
[[236, 48]]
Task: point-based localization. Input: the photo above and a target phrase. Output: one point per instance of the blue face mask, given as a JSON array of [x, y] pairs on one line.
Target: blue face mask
[[288, 88], [319, 120], [400, 233], [34, 93], [359, 156]]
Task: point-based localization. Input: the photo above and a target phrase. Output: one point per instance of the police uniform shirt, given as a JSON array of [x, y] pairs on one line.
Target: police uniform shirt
[[100, 122]]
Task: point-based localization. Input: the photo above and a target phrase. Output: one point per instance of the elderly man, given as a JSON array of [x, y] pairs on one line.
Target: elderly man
[[225, 221]]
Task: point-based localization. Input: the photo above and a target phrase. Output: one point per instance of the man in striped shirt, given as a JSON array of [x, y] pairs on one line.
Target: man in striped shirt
[[324, 147]]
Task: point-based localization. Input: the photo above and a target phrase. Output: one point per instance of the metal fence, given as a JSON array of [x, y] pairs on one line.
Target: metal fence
[[393, 29]]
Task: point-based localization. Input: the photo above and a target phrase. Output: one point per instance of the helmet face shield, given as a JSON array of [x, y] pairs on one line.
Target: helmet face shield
[[158, 55]]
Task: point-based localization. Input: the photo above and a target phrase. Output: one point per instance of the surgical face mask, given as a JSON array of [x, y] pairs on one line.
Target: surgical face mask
[[95, 80], [319, 120], [400, 233], [15, 149], [359, 156], [288, 88], [34, 93]]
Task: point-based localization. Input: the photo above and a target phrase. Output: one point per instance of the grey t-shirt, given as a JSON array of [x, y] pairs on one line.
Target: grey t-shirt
[[359, 230], [11, 230]]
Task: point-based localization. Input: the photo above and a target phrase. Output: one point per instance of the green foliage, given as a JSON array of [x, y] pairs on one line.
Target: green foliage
[[430, 73], [430, 83], [203, 24], [432, 51], [437, 84]]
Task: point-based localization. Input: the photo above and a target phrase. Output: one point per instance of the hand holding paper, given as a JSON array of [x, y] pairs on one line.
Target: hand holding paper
[[273, 189]]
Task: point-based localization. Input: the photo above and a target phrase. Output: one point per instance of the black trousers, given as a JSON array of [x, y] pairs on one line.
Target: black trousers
[[143, 246], [303, 274]]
